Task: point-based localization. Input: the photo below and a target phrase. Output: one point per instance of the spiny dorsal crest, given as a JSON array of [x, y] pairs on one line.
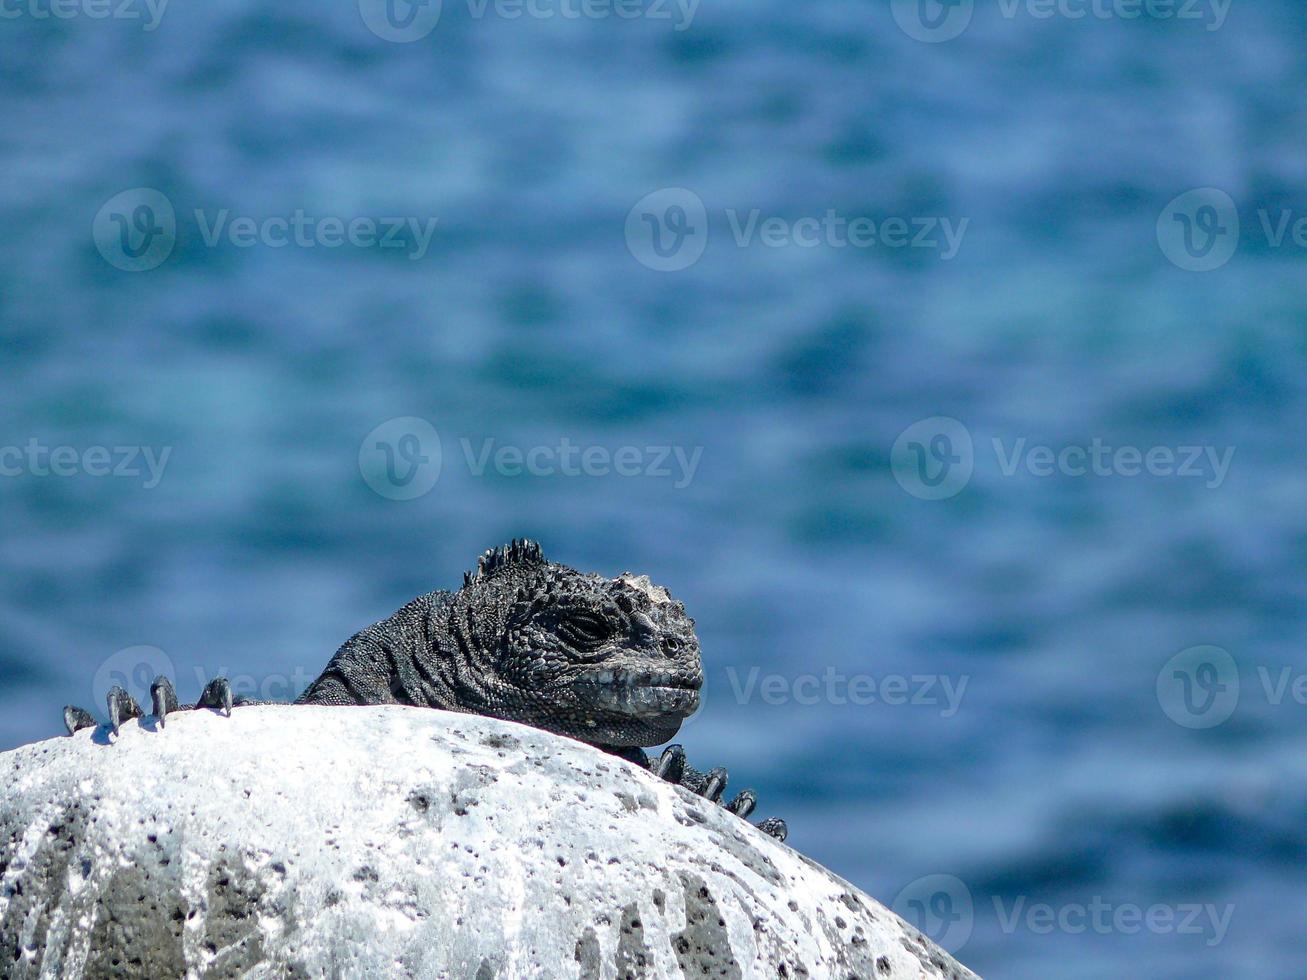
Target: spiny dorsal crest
[[518, 553]]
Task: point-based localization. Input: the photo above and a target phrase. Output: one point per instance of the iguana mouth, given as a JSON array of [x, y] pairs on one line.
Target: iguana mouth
[[643, 693], [644, 678]]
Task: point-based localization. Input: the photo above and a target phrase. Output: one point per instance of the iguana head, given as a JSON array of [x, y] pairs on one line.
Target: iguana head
[[608, 661]]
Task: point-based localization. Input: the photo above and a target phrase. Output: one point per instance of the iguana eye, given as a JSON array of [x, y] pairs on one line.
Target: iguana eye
[[672, 644], [590, 628]]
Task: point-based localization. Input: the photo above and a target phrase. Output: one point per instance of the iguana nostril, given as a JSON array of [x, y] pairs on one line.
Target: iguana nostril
[[643, 629]]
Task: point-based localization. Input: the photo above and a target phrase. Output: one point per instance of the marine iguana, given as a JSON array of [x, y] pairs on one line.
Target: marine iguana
[[614, 663]]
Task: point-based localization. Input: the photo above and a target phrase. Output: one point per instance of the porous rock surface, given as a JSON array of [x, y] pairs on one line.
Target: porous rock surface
[[402, 842]]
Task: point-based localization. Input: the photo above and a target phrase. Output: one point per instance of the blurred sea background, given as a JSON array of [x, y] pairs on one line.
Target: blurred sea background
[[800, 542]]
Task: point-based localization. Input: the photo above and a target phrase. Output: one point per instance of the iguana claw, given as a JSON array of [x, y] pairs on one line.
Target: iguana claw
[[671, 764], [217, 694], [122, 707], [163, 697], [743, 804], [715, 785], [75, 719], [163, 700], [775, 827]]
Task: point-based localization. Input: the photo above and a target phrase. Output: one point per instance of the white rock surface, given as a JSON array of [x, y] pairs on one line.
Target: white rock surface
[[402, 842]]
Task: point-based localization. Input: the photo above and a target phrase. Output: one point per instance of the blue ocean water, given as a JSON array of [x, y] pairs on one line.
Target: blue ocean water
[[975, 690]]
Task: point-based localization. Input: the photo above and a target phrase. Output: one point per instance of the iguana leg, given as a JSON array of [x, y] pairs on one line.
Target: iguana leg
[[672, 767]]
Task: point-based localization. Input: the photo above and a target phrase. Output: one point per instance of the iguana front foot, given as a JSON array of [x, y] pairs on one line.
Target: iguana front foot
[[672, 767], [121, 705], [163, 700]]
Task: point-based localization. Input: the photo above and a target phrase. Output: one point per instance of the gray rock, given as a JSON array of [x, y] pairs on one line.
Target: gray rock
[[402, 842]]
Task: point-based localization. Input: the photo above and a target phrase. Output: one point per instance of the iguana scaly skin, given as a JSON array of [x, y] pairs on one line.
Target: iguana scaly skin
[[611, 662]]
